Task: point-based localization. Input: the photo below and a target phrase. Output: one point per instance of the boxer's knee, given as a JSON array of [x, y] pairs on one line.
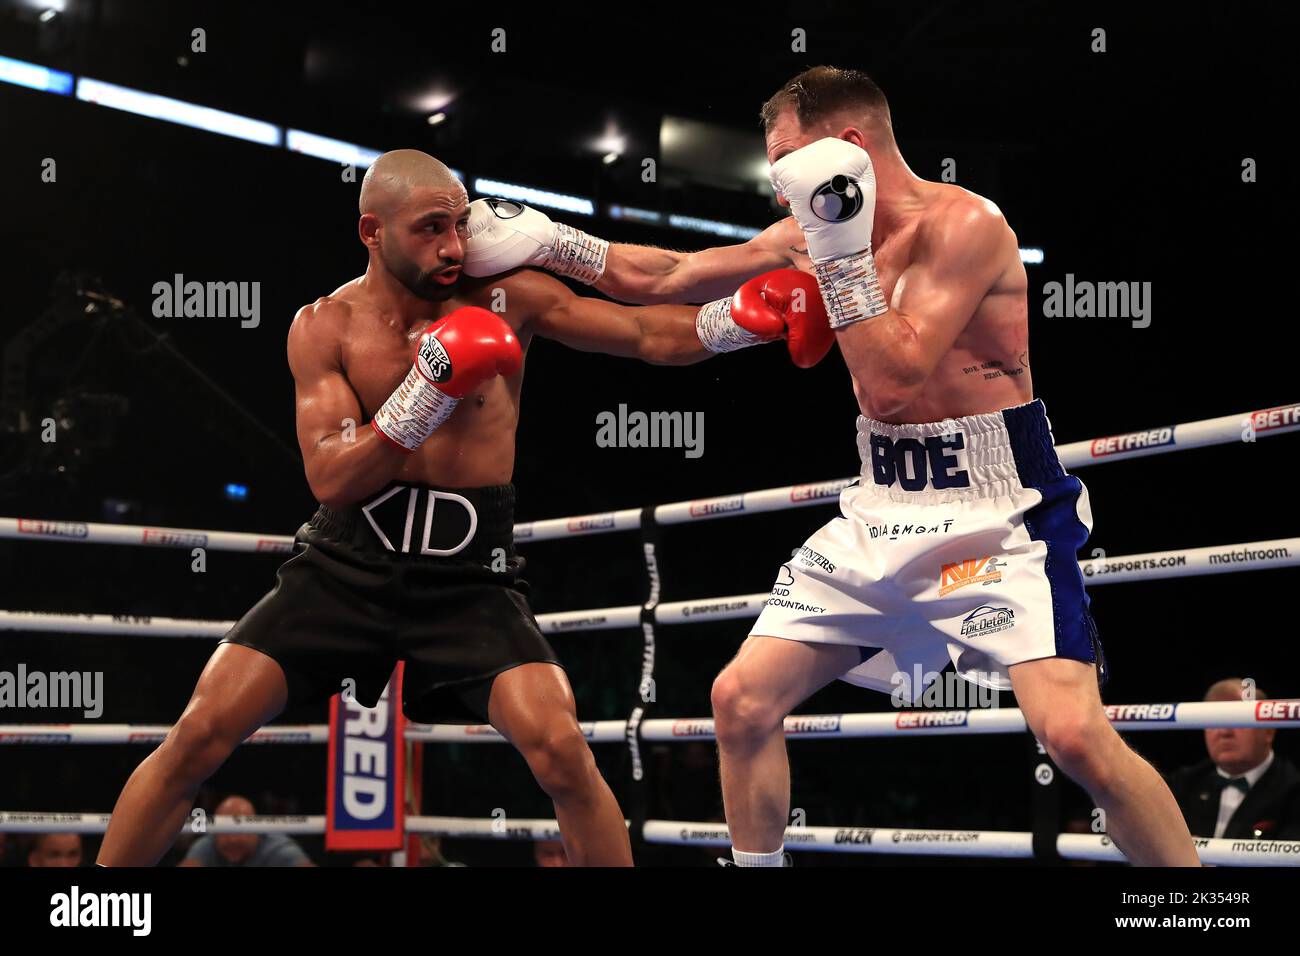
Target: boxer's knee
[[1083, 744], [741, 717], [558, 755], [198, 744]]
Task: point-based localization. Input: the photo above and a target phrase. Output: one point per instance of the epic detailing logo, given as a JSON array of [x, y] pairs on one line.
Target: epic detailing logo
[[984, 570], [1118, 444], [987, 620]]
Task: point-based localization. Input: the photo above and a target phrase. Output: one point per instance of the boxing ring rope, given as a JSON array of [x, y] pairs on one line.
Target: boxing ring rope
[[1001, 844], [1101, 569], [1184, 715], [1245, 426], [1221, 559]]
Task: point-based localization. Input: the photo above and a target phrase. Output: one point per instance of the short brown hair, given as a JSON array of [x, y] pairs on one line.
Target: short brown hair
[[817, 93]]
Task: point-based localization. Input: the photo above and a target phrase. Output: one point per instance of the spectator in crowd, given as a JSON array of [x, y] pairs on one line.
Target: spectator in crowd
[[55, 849], [549, 853], [244, 849], [1244, 790]]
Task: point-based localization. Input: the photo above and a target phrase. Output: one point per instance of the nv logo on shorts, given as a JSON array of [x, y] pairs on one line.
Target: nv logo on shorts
[[984, 570], [452, 530], [919, 463]]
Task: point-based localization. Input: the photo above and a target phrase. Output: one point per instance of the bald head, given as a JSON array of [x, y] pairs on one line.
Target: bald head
[[235, 806], [392, 178], [1234, 688]]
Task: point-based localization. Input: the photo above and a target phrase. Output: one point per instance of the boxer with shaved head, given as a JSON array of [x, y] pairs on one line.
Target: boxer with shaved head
[[407, 385]]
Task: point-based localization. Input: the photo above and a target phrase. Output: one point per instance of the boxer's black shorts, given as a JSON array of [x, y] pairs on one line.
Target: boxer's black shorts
[[424, 575]]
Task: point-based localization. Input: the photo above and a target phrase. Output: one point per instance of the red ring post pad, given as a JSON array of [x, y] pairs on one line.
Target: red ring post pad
[[366, 780]]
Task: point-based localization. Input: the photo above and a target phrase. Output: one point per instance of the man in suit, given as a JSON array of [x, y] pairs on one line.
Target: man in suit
[[1244, 791]]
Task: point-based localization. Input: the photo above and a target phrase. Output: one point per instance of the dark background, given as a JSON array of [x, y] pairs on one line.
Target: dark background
[[1122, 166]]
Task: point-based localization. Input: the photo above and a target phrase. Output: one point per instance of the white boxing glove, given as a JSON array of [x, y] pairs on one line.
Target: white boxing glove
[[831, 188], [505, 235]]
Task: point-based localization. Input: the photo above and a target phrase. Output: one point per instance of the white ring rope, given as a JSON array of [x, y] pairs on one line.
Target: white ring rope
[[876, 840], [1184, 715], [1245, 426], [1222, 559]]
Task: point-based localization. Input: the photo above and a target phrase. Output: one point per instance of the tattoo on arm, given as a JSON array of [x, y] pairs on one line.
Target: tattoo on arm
[[798, 251]]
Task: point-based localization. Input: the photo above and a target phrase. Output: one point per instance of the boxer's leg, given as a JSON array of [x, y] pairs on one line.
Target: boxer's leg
[[752, 695], [240, 690], [532, 707], [1062, 707]]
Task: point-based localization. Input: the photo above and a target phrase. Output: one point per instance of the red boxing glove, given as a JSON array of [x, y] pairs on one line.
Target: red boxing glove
[[456, 355], [476, 345], [786, 303]]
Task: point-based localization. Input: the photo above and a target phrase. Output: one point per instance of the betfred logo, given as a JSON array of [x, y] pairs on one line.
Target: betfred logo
[[1277, 710], [55, 529], [1132, 713], [1118, 444], [166, 538], [1284, 416], [985, 570], [590, 523], [823, 489], [717, 506], [689, 727]]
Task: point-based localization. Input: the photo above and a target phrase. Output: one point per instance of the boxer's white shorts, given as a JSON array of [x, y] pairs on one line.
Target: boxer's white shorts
[[958, 543]]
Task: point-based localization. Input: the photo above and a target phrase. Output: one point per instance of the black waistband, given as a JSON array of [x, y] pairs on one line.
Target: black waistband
[[423, 522]]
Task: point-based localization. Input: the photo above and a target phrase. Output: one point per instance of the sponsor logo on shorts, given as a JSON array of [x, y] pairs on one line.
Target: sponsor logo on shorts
[[985, 570], [1284, 416], [1141, 713], [895, 531], [717, 506], [781, 594], [1117, 444], [811, 559], [54, 529], [1277, 710], [987, 620]]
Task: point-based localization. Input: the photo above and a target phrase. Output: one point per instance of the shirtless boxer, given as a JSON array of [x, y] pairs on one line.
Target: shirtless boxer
[[959, 540], [410, 555]]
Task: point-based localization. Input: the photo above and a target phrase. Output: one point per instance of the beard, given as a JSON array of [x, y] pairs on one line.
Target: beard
[[419, 282]]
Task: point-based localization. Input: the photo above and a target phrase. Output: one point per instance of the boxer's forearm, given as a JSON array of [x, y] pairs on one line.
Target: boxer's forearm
[[342, 472], [644, 275], [669, 336]]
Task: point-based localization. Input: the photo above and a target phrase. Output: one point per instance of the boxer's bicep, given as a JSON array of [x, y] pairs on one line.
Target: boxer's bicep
[[325, 404]]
